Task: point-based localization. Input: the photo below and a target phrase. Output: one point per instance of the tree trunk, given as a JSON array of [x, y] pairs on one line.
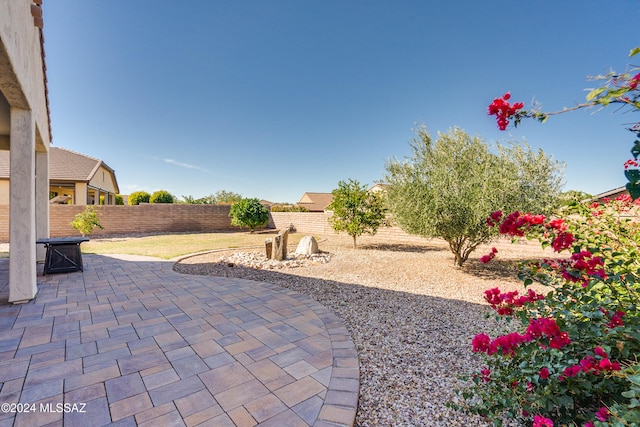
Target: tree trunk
[[354, 242], [458, 260]]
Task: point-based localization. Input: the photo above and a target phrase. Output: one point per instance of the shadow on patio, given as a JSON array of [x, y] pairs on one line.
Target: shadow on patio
[[130, 342]]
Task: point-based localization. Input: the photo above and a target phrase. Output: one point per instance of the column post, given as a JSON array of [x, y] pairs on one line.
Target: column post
[[42, 201], [22, 210]]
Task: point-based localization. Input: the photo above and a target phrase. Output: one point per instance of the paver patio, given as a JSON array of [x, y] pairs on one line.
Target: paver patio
[[130, 342]]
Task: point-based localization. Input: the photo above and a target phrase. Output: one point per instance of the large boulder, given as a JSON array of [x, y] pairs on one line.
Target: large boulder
[[307, 246]]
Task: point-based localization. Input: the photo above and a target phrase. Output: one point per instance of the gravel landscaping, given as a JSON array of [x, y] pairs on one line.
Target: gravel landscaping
[[411, 314]]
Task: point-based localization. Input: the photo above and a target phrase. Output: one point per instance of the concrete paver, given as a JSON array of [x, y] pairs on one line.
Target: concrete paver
[[130, 342]]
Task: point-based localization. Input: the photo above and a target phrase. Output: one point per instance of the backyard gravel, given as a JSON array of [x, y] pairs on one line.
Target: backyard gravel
[[410, 311]]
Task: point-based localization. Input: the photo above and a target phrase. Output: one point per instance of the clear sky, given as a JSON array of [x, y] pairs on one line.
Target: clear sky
[[273, 98]]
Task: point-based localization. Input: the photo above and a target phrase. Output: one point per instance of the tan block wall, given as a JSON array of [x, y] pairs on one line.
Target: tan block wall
[[175, 218], [317, 223], [142, 219]]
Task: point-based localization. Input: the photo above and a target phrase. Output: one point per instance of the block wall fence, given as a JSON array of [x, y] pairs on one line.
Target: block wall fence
[[140, 219], [177, 218], [317, 223]]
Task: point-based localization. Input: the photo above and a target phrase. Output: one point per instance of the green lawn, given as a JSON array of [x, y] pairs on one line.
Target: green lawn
[[169, 246]]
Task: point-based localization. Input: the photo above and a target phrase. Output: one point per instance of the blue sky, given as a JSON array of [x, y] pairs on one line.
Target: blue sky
[[273, 98]]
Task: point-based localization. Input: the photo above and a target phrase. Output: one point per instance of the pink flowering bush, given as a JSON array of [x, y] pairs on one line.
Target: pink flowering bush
[[619, 89], [572, 356]]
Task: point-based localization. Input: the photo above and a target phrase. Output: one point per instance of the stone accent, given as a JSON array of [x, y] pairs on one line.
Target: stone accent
[[268, 246], [280, 245], [308, 245]]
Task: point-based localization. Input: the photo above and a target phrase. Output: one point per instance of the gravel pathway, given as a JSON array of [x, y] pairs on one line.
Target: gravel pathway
[[411, 314]]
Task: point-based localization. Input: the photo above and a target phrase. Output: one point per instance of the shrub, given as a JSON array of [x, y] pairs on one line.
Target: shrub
[[249, 213], [119, 200], [356, 210], [138, 197], [288, 208], [224, 197], [86, 221], [573, 355], [161, 196]]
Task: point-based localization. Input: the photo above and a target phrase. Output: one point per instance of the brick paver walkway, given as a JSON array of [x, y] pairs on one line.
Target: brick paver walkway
[[130, 342]]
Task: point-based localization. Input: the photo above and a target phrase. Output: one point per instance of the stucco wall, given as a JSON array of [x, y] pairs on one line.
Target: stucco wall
[[22, 77], [103, 179]]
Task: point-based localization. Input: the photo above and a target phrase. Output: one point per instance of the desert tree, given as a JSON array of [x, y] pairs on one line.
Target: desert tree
[[250, 213], [138, 197], [448, 187], [162, 196], [356, 210]]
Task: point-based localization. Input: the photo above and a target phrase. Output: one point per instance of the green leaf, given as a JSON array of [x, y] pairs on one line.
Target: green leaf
[[634, 379], [595, 92], [634, 51], [565, 401]]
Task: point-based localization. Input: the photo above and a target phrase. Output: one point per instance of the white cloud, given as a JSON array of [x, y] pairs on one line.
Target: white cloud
[[186, 165]]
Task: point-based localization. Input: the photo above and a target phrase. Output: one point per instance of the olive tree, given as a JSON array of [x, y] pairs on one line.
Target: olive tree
[[449, 186], [249, 213], [356, 210]]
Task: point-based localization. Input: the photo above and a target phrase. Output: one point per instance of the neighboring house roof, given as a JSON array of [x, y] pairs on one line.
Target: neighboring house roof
[[612, 194], [378, 187], [315, 202], [64, 165]]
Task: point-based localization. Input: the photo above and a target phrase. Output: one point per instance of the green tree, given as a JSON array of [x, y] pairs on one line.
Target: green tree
[[249, 213], [356, 210], [226, 197], [161, 196], [573, 196], [138, 197], [86, 221], [190, 200], [449, 187], [119, 199]]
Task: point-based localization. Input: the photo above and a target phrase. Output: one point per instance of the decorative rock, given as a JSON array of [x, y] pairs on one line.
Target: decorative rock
[[268, 247], [256, 260], [280, 245], [307, 246]]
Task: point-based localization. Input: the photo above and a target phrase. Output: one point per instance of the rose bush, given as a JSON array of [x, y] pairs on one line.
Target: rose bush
[[572, 358]]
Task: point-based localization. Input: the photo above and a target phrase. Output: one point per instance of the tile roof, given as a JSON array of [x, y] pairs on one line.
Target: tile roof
[[315, 201], [64, 165], [38, 22]]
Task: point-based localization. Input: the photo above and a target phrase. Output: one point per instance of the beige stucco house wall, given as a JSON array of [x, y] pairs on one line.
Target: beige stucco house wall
[[25, 131]]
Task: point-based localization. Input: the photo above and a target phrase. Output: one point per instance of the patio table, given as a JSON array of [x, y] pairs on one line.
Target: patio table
[[63, 254]]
